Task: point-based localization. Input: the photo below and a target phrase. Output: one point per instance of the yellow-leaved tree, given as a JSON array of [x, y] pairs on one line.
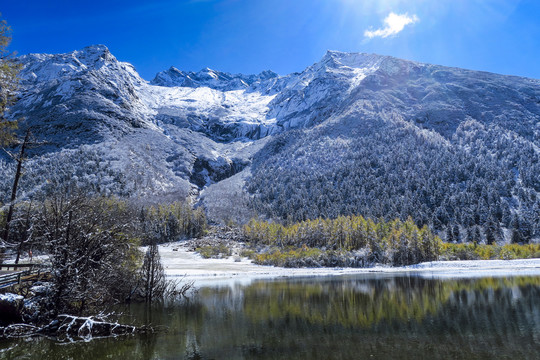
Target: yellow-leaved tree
[[9, 68]]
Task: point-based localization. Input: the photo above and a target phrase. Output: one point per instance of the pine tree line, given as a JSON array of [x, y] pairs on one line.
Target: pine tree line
[[168, 222]]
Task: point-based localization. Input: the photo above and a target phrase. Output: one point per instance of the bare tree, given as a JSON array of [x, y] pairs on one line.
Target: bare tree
[[25, 234], [93, 261], [19, 159]]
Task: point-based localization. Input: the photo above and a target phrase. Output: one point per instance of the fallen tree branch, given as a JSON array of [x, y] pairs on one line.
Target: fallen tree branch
[[74, 328]]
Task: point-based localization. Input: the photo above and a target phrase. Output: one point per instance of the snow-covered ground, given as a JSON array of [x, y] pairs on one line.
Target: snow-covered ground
[[178, 262]]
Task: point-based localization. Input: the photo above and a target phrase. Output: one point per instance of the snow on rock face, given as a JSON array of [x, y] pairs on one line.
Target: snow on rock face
[[223, 116], [88, 90], [223, 106], [193, 129], [209, 171], [318, 92], [10, 308], [207, 77], [429, 96], [9, 297], [79, 94]]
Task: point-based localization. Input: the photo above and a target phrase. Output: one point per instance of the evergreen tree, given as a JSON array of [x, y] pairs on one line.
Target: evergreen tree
[[516, 232], [449, 234], [457, 234], [516, 237], [490, 232], [476, 237], [153, 281]]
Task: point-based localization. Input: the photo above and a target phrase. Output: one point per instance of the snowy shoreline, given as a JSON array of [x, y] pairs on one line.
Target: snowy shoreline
[[178, 262]]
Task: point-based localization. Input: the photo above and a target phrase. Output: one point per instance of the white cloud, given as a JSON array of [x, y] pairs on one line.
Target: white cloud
[[393, 24]]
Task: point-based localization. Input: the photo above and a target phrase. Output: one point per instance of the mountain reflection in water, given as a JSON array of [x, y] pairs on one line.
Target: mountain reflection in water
[[349, 317]]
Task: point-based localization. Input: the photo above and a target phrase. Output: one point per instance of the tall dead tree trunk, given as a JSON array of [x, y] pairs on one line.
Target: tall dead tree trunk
[[24, 236], [18, 173]]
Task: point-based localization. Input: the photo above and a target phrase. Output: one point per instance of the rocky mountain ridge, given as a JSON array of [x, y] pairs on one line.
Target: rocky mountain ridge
[[210, 131]]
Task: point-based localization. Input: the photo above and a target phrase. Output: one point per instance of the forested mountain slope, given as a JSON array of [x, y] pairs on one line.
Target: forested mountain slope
[[456, 149]]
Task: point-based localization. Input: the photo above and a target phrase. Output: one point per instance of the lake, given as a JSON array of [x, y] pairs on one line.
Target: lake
[[370, 316]]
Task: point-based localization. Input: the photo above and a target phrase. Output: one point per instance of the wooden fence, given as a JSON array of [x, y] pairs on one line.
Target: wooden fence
[[32, 273]]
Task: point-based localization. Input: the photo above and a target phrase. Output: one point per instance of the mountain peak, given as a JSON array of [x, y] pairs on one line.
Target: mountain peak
[[47, 67], [95, 48], [94, 53], [351, 59], [210, 78], [334, 53], [268, 74], [174, 70]]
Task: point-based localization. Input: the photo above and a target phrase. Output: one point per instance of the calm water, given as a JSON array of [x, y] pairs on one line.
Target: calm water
[[359, 317]]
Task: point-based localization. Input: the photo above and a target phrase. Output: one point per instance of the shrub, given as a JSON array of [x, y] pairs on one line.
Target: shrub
[[489, 252], [214, 251]]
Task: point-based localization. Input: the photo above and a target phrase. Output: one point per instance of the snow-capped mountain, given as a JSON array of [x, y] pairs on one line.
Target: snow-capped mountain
[[187, 131], [228, 107], [78, 94], [212, 79]]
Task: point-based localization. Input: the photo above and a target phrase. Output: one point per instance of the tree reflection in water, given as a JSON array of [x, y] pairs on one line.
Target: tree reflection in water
[[346, 317]]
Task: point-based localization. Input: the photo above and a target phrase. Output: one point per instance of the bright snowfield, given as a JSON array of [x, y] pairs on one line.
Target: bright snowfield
[[189, 266]]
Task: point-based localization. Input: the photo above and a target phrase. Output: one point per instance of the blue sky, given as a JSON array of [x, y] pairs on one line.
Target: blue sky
[[249, 36]]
